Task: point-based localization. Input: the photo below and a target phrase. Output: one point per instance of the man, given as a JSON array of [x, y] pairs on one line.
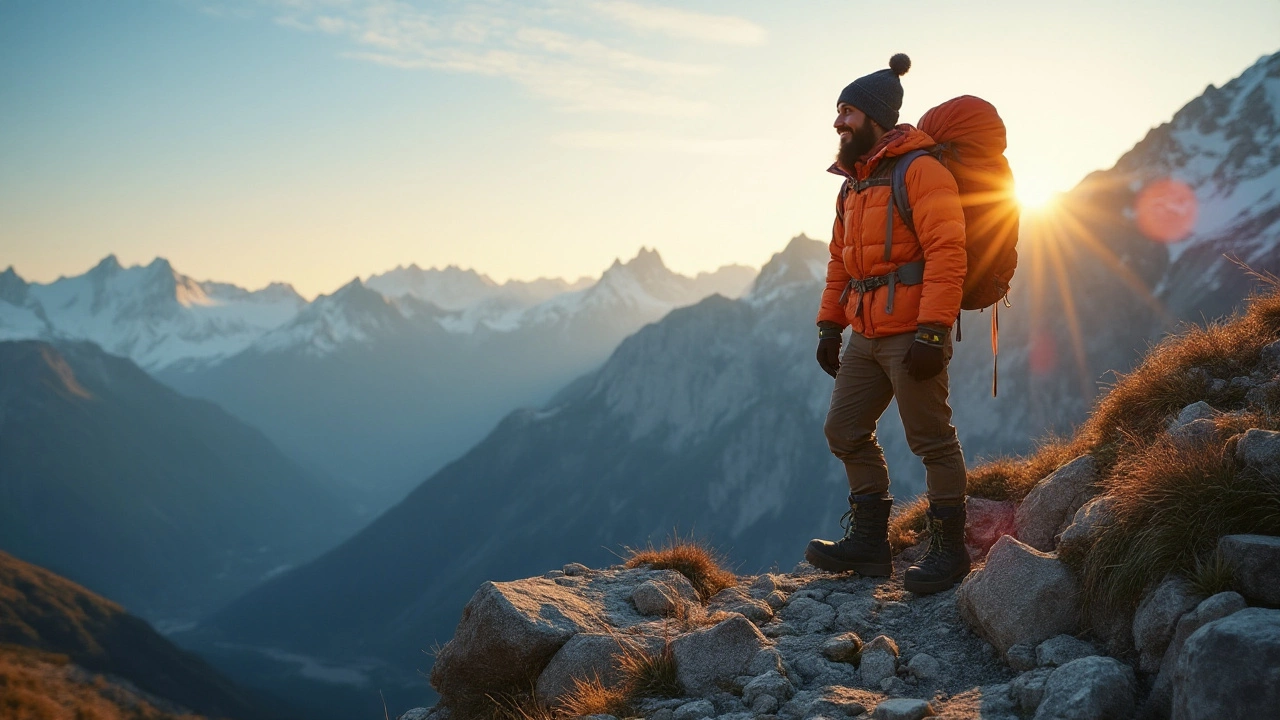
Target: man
[[900, 293]]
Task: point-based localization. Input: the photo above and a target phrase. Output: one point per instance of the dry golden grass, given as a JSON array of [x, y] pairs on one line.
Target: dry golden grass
[[1173, 500], [703, 566], [592, 697], [1008, 478], [650, 674], [1178, 371], [907, 523], [35, 685]]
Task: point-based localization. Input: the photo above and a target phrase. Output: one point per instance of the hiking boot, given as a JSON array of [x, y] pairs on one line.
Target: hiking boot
[[946, 562], [864, 549]]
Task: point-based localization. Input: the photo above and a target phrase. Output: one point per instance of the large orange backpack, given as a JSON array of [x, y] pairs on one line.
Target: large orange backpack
[[971, 143]]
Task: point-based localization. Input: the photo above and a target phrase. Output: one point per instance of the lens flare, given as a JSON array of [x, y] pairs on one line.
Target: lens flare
[[1166, 210]]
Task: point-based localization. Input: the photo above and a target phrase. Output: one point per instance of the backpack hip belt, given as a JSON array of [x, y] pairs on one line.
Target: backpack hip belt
[[911, 273]]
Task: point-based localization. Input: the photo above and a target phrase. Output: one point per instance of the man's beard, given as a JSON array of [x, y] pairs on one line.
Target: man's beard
[[860, 142]]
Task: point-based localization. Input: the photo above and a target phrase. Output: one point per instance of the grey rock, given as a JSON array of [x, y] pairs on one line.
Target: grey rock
[[663, 714], [1200, 410], [1194, 431], [1157, 617], [1019, 596], [1255, 563], [763, 585], [776, 599], [764, 705], [664, 594], [415, 714], [696, 710], [894, 686], [843, 648], [576, 569], [1093, 688], [1089, 520], [829, 707], [808, 614], [997, 703], [767, 660], [1214, 608], [507, 631], [1054, 500], [1260, 449], [902, 709], [709, 656], [1028, 688], [757, 611], [1021, 657], [1062, 649], [553, 574], [726, 703], [1217, 386], [879, 660], [855, 614], [772, 684], [1270, 355], [924, 666], [1230, 668], [589, 655], [1242, 382]]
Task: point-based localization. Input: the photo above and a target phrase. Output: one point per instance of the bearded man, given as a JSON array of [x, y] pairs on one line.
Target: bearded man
[[899, 291]]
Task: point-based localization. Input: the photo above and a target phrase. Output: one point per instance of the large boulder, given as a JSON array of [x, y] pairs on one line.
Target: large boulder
[[1091, 688], [1230, 668], [986, 521], [1051, 504], [1255, 565], [591, 656], [1215, 607], [1260, 449], [711, 656], [1157, 617], [1019, 596], [1092, 517], [508, 633]]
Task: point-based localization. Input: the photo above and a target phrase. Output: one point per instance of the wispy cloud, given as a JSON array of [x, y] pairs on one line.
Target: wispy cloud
[[528, 43], [677, 23]]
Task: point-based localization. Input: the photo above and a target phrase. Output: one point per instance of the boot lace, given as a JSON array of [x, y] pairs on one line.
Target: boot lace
[[849, 521]]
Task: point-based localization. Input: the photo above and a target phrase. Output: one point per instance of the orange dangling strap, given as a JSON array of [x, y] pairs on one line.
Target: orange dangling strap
[[995, 348]]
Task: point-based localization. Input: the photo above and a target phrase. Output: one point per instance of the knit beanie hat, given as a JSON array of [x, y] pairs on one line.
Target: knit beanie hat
[[879, 94]]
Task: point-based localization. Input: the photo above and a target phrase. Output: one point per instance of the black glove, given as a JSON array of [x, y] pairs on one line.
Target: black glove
[[829, 347], [926, 357]]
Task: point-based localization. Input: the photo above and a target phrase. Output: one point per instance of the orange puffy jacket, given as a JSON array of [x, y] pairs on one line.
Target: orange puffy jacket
[[857, 245]]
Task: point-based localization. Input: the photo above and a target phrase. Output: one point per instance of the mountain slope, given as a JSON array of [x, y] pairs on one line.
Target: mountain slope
[[42, 612], [163, 502], [381, 393]]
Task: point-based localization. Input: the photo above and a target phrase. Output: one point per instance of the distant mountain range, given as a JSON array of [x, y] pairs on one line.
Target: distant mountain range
[[711, 419], [167, 504], [381, 392], [378, 384], [85, 653]]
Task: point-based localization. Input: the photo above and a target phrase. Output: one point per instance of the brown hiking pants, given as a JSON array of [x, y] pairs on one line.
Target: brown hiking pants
[[871, 375]]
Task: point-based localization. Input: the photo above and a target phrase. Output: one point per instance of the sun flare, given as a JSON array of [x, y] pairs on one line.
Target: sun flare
[[1034, 196]]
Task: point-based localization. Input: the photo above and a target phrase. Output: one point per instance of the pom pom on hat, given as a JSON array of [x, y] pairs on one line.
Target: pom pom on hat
[[900, 64]]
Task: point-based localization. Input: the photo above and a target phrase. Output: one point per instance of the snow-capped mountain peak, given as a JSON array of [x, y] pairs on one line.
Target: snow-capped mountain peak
[[152, 314], [354, 313], [800, 264]]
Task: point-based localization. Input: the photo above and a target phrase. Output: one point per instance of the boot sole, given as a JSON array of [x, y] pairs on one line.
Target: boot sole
[[929, 587], [830, 564]]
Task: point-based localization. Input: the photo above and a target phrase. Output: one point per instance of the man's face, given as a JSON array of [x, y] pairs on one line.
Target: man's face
[[857, 136]]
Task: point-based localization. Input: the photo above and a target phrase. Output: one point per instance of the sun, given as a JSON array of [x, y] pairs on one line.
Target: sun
[[1033, 195]]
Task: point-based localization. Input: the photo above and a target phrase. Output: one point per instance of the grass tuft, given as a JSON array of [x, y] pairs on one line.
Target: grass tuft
[[1212, 575], [1172, 502], [907, 523], [650, 674], [703, 566], [592, 697]]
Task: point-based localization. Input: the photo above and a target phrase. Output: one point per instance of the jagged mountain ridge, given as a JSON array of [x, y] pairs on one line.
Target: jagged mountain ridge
[[380, 392], [165, 503]]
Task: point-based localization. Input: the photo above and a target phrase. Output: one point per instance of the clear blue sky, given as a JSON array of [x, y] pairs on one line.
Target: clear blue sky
[[311, 141]]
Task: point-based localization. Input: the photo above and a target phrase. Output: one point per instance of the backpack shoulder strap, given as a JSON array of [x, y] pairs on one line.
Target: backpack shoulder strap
[[844, 195], [899, 185]]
